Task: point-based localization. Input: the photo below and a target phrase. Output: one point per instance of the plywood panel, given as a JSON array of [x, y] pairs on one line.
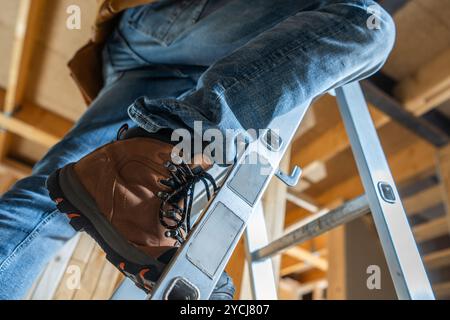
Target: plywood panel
[[7, 21], [50, 82], [423, 32]]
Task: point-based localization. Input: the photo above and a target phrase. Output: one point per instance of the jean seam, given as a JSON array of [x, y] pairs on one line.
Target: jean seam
[[116, 76], [164, 37], [30, 237], [142, 119]]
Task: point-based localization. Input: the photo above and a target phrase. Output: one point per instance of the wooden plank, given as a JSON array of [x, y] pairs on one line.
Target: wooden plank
[[236, 268], [28, 131], [15, 168], [43, 119], [6, 180], [53, 273], [430, 230], [84, 249], [319, 290], [79, 260], [302, 266], [443, 168], [35, 124], [91, 275], [437, 259], [288, 289], [308, 257], [336, 275], [295, 268], [427, 88], [25, 33], [107, 282], [392, 108], [423, 200]]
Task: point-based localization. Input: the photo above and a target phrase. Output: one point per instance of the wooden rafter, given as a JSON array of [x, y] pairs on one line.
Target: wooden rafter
[[26, 28], [431, 230], [428, 87], [35, 124], [423, 200], [308, 257]]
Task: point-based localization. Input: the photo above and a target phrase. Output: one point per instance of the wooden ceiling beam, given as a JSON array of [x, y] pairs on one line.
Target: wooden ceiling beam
[[307, 257], [431, 230], [35, 124], [302, 266], [27, 131], [14, 168], [394, 109], [428, 198], [26, 29], [428, 87]]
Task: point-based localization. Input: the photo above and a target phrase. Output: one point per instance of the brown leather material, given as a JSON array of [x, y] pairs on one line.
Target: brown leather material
[[124, 178], [86, 65], [86, 70]]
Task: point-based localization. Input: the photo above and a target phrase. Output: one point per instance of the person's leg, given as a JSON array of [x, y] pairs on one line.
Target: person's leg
[[31, 228], [289, 56]]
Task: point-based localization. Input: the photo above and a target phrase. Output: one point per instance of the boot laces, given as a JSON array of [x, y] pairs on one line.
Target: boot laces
[[183, 181]]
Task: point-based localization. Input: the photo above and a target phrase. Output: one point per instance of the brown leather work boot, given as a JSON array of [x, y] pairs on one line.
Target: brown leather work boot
[[135, 202]]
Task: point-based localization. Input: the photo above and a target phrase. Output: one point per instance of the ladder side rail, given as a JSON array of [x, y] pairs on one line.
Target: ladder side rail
[[402, 256], [261, 273]]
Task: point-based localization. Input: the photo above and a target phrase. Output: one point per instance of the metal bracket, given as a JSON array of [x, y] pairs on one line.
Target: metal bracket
[[292, 179], [182, 289]]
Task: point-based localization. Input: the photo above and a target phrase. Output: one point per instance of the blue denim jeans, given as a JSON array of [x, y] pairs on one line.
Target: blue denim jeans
[[233, 64]]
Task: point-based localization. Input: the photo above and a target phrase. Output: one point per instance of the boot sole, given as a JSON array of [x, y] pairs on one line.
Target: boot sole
[[76, 203]]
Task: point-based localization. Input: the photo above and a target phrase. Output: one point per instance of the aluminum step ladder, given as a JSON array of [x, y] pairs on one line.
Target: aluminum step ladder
[[237, 210]]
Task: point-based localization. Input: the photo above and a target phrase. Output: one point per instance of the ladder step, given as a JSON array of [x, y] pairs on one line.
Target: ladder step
[[315, 226]]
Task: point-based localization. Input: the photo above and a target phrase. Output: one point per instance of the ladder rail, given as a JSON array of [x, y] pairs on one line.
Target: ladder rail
[[261, 272], [402, 256]]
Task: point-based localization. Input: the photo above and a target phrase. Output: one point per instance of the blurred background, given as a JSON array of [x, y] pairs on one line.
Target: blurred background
[[410, 105]]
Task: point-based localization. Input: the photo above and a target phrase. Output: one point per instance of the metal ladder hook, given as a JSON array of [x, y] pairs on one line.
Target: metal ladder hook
[[292, 179]]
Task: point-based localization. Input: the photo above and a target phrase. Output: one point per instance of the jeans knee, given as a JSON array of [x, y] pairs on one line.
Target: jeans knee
[[381, 31]]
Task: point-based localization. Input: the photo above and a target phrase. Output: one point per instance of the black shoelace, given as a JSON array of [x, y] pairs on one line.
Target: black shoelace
[[182, 182]]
